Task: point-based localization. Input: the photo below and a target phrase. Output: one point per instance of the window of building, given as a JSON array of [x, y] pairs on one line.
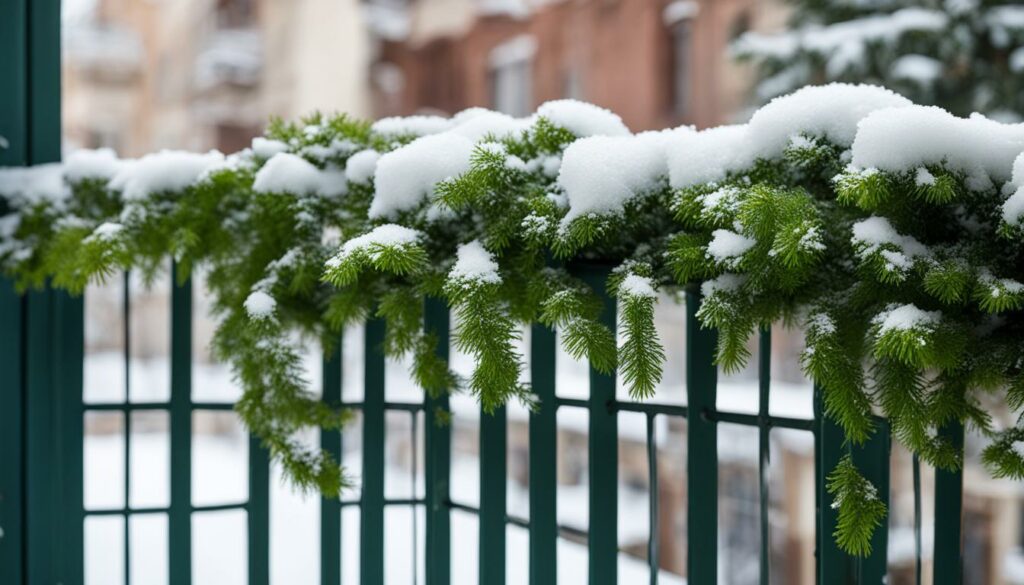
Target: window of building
[[679, 61], [511, 65], [236, 13]]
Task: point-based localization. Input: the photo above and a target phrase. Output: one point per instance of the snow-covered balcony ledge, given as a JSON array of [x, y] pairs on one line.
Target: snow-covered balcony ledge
[[106, 52], [230, 57]]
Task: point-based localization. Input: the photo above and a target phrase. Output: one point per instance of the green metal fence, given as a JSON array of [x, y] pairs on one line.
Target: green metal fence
[[42, 513]]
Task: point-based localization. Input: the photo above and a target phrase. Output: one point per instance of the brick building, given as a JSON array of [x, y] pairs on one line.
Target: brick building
[[656, 63]]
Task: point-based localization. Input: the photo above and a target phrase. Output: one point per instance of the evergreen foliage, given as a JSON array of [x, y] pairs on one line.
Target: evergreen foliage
[[964, 55], [906, 281]]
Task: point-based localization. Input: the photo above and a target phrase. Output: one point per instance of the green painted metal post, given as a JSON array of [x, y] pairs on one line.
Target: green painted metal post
[[702, 447], [371, 525], [949, 493], [259, 513], [39, 445], [834, 566], [179, 517], [438, 449], [872, 458], [764, 374], [330, 508], [603, 451], [69, 345], [11, 433], [14, 130], [543, 460], [493, 449]]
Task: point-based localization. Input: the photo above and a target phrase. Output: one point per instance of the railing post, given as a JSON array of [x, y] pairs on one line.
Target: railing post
[[371, 526], [330, 441], [12, 410], [438, 448], [702, 448], [180, 518], [259, 513], [949, 498], [493, 504], [872, 459], [603, 452], [833, 565], [543, 460]]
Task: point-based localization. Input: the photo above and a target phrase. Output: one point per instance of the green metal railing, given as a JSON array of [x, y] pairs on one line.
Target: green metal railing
[[42, 412]]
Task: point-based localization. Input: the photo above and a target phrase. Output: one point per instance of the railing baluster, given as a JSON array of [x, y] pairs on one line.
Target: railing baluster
[[493, 448], [833, 564], [438, 446], [949, 493], [179, 518], [702, 448], [258, 508], [371, 525], [330, 441], [764, 356], [603, 452], [653, 537], [11, 431], [917, 518], [543, 460], [872, 458]]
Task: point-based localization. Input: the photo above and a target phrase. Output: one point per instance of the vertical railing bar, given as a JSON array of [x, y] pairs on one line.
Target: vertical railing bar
[[179, 517], [543, 459], [12, 427], [126, 413], [764, 446], [702, 448], [833, 565], [371, 525], [873, 458], [259, 513], [949, 493], [603, 451], [493, 503], [653, 536], [916, 463], [70, 338], [330, 441], [437, 447], [413, 495]]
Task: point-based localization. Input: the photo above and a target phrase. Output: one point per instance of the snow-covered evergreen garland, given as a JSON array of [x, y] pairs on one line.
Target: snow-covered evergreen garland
[[892, 233]]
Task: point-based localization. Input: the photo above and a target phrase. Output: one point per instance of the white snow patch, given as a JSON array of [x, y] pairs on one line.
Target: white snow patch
[[905, 318], [918, 68], [260, 305], [907, 138], [582, 119], [34, 184], [164, 171], [360, 166], [923, 177], [875, 231], [289, 173], [475, 264], [100, 164], [726, 246], [599, 174], [407, 176], [410, 125], [637, 286], [384, 235], [830, 111], [1013, 207], [266, 148]]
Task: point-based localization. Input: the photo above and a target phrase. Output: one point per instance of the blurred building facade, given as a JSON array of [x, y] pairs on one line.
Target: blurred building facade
[[657, 63], [199, 74]]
